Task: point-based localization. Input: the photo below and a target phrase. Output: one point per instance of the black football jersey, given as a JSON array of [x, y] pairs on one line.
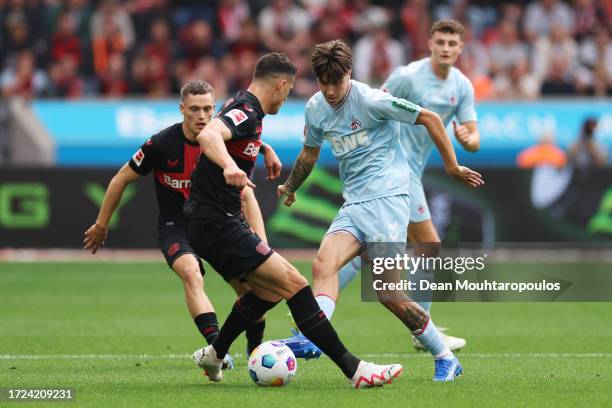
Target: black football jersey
[[172, 158], [210, 195]]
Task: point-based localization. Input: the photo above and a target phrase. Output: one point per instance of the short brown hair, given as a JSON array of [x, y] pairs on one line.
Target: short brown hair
[[274, 63], [447, 26], [196, 87], [331, 61]]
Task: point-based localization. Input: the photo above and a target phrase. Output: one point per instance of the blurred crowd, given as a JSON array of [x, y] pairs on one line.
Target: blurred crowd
[[111, 48]]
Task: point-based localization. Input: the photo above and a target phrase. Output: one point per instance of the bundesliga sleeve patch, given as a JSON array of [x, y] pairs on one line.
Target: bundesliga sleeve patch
[[138, 157], [237, 116]]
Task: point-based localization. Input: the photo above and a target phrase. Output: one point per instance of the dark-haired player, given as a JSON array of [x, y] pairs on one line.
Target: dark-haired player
[[360, 123], [172, 155], [433, 83], [220, 235]]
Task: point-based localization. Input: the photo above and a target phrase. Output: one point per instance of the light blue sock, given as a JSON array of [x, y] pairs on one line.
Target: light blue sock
[[430, 338], [349, 271]]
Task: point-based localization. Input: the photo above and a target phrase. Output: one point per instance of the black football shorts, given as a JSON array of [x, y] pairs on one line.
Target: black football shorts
[[228, 245], [173, 242]]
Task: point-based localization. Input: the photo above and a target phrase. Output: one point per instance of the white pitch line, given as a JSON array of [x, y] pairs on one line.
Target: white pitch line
[[378, 355]]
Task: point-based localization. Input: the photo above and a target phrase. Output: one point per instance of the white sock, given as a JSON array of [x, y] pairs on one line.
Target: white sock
[[327, 305]]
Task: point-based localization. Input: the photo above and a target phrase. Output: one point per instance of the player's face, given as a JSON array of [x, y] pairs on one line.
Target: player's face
[[334, 93], [197, 111], [445, 48], [282, 89]]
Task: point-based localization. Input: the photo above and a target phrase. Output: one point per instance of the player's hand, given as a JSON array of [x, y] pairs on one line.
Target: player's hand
[[466, 176], [236, 177], [272, 163], [462, 134], [94, 238], [289, 196]]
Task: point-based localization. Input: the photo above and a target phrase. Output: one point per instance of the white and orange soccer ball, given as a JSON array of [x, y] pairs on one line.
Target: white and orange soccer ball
[[272, 364]]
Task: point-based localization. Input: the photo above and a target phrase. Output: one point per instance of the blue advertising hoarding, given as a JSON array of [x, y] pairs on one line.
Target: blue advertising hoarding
[[107, 133]]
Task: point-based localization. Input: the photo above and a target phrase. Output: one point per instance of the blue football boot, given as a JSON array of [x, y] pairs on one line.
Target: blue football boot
[[447, 370], [301, 346]]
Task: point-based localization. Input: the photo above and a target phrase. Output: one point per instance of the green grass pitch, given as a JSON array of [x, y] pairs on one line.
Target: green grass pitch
[[120, 335]]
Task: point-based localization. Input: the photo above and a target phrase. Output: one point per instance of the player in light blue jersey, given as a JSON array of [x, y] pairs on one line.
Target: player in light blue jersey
[[360, 123], [436, 85]]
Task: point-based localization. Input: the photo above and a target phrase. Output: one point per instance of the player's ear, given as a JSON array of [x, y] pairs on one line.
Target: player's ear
[[182, 108], [460, 47]]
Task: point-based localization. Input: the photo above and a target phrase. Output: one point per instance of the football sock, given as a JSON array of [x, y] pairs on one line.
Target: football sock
[[429, 336], [254, 335], [207, 325], [349, 271], [246, 311], [316, 327], [327, 305]]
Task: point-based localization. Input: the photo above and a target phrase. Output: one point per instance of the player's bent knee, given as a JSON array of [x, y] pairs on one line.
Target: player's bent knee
[[192, 277], [322, 268]]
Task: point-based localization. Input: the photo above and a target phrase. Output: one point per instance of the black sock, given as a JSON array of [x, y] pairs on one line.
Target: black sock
[[246, 311], [207, 325], [313, 323], [254, 335]]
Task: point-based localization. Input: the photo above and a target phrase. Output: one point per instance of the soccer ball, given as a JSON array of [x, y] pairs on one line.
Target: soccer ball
[[272, 364]]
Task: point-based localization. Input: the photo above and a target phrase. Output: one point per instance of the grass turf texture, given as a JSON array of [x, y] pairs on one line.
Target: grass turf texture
[[107, 315]]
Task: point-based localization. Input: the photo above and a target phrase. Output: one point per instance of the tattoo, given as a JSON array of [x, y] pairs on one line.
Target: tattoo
[[410, 313], [301, 171]]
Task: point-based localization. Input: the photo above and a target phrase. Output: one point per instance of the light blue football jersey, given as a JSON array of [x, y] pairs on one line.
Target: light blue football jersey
[[363, 134], [417, 83]]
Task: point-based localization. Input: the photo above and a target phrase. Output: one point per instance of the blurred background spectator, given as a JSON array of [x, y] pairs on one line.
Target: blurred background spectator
[[586, 155], [80, 48], [545, 153]]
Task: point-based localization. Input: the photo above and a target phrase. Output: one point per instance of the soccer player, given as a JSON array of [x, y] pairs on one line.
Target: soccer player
[[219, 234], [360, 124], [172, 155], [435, 84]]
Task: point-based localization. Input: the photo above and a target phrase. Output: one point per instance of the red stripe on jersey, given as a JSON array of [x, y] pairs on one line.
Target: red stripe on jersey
[[247, 149], [181, 182]]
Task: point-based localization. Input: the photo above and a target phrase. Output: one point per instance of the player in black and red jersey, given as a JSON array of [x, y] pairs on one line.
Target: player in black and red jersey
[[219, 233], [172, 155]]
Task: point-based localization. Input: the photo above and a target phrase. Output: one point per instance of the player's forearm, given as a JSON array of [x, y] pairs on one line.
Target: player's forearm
[[213, 146], [437, 132], [252, 213], [473, 143], [111, 200], [301, 170]]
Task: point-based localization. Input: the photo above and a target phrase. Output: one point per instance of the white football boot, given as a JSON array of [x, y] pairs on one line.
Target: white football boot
[[206, 358], [370, 375]]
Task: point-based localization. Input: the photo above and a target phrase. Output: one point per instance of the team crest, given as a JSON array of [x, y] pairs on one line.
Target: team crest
[[355, 123], [453, 100]]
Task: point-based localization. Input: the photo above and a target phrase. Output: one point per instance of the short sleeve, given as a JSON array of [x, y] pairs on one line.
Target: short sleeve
[[466, 111], [398, 85], [383, 106], [313, 136], [146, 158], [242, 122]]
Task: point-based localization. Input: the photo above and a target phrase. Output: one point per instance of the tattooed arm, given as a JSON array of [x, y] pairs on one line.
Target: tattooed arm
[[301, 170]]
